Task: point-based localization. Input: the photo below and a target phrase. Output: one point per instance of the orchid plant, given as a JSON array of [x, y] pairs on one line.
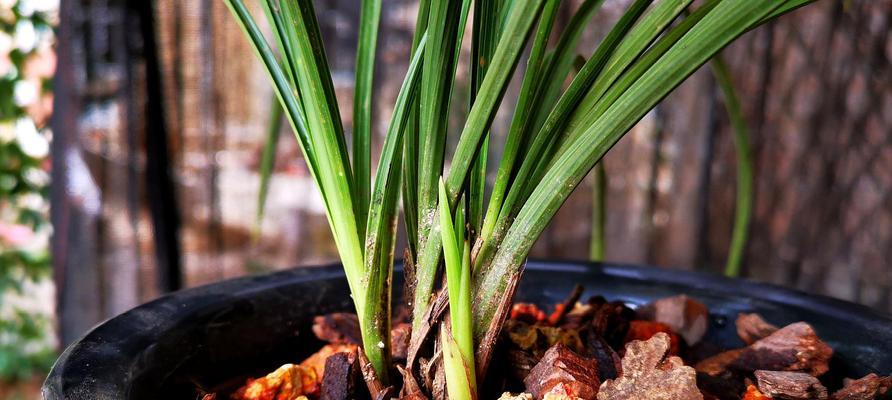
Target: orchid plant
[[557, 134]]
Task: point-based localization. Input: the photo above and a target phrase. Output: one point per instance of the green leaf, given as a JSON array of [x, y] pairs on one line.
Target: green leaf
[[519, 122], [456, 254], [547, 136], [724, 23], [369, 18], [445, 31], [268, 159], [744, 206], [459, 370], [504, 61]]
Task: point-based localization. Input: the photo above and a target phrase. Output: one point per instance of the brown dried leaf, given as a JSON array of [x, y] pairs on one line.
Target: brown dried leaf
[[686, 316], [790, 385], [869, 387], [410, 390], [399, 339], [576, 375], [337, 328], [375, 386], [649, 375], [289, 382], [751, 327]]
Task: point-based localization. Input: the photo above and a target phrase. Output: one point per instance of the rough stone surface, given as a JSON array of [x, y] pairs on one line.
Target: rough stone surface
[[563, 369], [751, 327], [649, 375], [869, 387], [790, 385]]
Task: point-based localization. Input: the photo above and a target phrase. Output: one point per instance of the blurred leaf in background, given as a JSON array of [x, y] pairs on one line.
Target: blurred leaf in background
[[27, 62]]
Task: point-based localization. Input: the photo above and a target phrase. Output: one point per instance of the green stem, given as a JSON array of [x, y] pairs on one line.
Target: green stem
[[744, 207], [599, 214]]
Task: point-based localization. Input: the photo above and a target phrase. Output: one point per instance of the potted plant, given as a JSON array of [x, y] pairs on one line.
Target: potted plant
[[556, 136]]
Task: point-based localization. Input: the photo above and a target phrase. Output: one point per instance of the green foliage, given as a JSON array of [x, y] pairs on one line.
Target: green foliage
[[24, 185], [744, 207], [556, 137]]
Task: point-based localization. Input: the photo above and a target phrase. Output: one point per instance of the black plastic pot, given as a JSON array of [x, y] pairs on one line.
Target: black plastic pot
[[248, 326]]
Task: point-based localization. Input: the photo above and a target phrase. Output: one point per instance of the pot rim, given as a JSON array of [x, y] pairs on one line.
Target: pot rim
[[109, 331]]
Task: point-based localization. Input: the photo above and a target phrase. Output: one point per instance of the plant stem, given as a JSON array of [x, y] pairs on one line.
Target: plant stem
[[599, 213], [744, 206]]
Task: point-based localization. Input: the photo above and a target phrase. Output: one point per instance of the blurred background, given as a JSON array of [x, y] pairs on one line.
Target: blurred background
[[133, 170]]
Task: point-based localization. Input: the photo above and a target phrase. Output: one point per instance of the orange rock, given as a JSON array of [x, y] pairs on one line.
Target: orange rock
[[644, 330], [316, 362], [753, 393], [527, 312], [289, 382]]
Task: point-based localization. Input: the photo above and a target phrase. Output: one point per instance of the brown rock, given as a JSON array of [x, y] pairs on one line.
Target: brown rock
[[869, 387], [751, 327], [686, 316], [338, 328], [560, 366], [527, 344], [648, 374], [341, 376], [795, 348], [790, 385]]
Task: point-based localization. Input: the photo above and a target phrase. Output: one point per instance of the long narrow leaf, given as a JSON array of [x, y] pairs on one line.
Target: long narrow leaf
[[547, 135], [457, 257], [369, 17], [445, 32], [520, 120], [381, 234], [519, 26], [728, 20], [744, 205], [268, 158]]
